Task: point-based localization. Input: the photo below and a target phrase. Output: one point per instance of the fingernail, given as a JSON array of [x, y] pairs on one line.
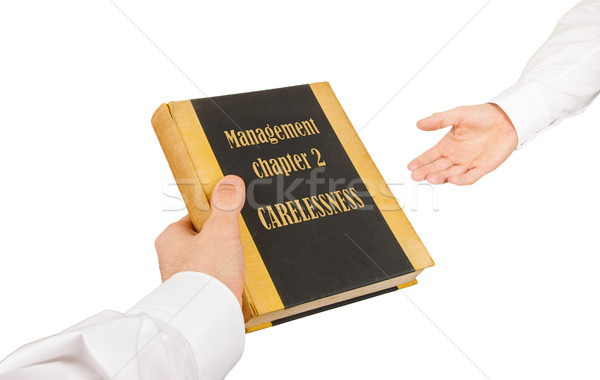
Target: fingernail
[[232, 180], [229, 194]]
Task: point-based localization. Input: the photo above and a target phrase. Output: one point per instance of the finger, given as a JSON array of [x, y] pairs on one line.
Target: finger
[[182, 226], [469, 178], [227, 201], [174, 232], [440, 177], [440, 120], [186, 222], [228, 196], [436, 166], [425, 158]]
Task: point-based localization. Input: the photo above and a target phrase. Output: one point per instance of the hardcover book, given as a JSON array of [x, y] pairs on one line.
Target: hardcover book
[[320, 227]]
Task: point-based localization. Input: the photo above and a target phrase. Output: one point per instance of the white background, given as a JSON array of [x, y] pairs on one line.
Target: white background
[[514, 294]]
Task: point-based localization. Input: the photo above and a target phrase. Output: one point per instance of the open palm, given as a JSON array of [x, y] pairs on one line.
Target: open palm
[[481, 138]]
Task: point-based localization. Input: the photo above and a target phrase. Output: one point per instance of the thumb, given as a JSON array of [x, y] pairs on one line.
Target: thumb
[[228, 198], [440, 120]]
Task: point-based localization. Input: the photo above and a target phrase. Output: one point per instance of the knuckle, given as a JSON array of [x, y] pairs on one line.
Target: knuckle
[[459, 113], [158, 242], [161, 241]]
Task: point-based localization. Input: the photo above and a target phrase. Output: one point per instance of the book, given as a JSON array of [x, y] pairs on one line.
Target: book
[[320, 227]]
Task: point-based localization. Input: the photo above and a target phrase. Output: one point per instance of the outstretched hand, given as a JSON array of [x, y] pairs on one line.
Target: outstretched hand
[[217, 249], [482, 137]]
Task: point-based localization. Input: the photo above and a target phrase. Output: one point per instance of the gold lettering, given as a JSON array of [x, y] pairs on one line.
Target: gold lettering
[[251, 137], [243, 138], [315, 201], [289, 131], [268, 134], [285, 166], [349, 199], [260, 211], [231, 138], [325, 203], [271, 135], [361, 204], [309, 207], [333, 203], [289, 157], [299, 130], [305, 160], [260, 134], [283, 215], [275, 166], [265, 167], [298, 160], [342, 200], [255, 167], [293, 211], [301, 209], [278, 132], [274, 221], [313, 130], [307, 127]]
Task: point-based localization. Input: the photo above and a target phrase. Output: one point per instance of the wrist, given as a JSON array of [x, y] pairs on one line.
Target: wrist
[[526, 108], [505, 125]]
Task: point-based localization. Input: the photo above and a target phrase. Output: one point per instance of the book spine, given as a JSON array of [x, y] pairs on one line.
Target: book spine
[[181, 165], [187, 180]]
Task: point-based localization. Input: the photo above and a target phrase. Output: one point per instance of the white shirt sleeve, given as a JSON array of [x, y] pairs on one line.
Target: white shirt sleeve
[[190, 327], [561, 79]]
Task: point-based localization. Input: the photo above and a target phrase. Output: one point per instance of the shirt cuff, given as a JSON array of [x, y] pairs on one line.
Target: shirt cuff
[[525, 105], [206, 313]]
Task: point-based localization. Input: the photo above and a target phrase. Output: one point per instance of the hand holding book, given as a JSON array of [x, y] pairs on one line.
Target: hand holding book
[[217, 249]]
